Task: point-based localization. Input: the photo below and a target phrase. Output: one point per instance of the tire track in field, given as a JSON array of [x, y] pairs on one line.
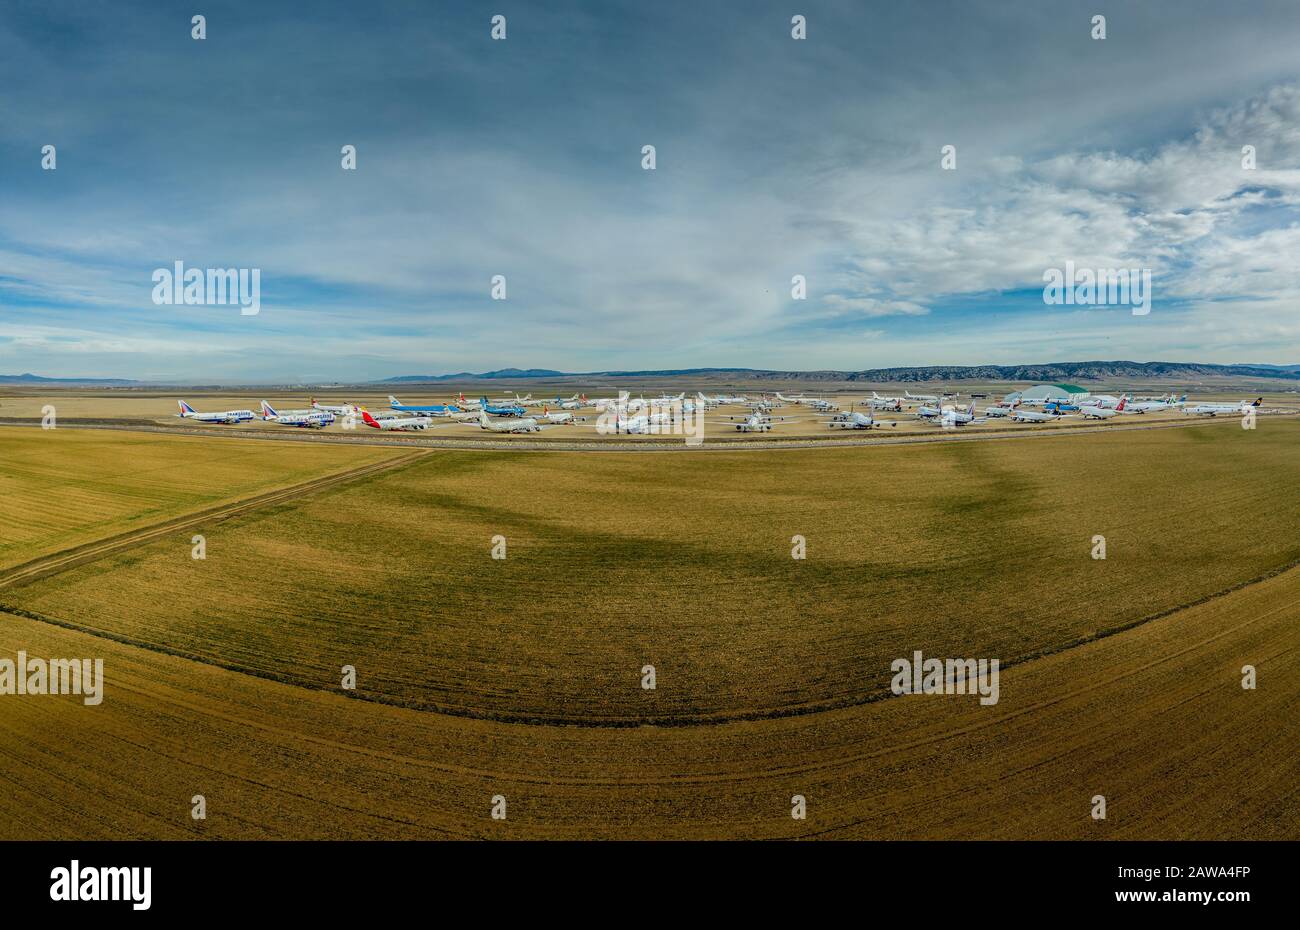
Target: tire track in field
[[57, 562]]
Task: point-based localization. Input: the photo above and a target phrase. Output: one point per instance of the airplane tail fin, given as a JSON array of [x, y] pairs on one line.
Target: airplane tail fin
[[393, 402], [268, 411], [482, 417], [1258, 401], [1122, 402], [369, 420], [185, 408]]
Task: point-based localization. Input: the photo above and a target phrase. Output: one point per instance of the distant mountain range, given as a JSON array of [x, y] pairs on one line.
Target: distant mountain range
[[37, 379], [1052, 371], [482, 376]]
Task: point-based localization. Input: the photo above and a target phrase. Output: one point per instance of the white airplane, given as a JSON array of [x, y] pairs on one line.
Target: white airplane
[[560, 416], [1001, 410], [755, 423], [1155, 406], [953, 417], [398, 423], [226, 416], [1104, 401], [854, 420], [925, 398], [1098, 412], [575, 402], [313, 419], [1020, 415], [817, 403], [512, 425], [336, 409], [1213, 410], [515, 401], [876, 402]]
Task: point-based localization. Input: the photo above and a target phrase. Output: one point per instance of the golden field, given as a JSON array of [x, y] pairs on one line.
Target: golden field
[[63, 487], [521, 676]]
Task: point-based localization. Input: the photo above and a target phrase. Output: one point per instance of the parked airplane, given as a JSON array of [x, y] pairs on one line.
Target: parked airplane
[[1155, 406], [226, 416], [1001, 410], [876, 402], [337, 409], [755, 423], [519, 425], [926, 398], [269, 414], [560, 416], [951, 417], [1098, 412], [855, 420], [509, 410], [438, 410], [398, 423], [314, 419], [1021, 415], [1213, 410], [1104, 401]]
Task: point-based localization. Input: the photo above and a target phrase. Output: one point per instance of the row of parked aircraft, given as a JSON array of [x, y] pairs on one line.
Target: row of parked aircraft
[[639, 415]]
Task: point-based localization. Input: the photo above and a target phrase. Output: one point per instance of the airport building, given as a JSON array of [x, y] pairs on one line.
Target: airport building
[[1048, 393]]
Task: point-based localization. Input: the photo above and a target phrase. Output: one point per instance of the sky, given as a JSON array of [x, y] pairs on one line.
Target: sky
[[523, 157]]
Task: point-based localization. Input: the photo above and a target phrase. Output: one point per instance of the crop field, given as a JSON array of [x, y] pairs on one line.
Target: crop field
[[60, 488], [522, 676]]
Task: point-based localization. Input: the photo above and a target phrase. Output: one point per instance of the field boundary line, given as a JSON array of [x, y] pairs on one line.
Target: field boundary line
[[56, 562]]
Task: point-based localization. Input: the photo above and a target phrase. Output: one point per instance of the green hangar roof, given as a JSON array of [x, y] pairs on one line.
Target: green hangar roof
[[1072, 388]]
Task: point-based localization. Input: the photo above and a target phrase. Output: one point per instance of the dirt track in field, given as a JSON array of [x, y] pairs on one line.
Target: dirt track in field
[[89, 552]]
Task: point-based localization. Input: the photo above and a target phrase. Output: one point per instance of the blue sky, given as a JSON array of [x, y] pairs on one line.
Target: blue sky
[[522, 158]]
